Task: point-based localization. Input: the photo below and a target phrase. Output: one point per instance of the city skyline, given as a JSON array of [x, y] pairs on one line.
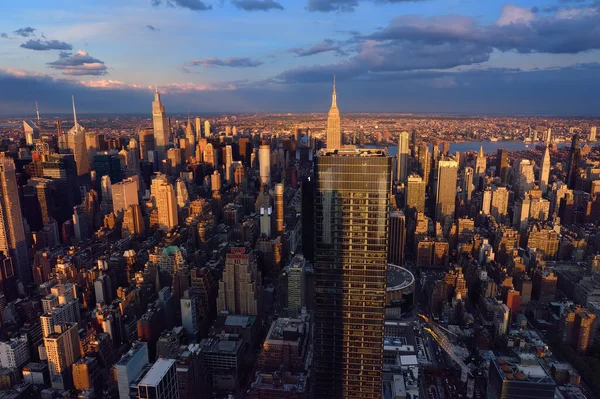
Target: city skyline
[[523, 57]]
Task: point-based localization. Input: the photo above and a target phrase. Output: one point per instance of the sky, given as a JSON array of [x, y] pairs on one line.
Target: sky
[[526, 57]]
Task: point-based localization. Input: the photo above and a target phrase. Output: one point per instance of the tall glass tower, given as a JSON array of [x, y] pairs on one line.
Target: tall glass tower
[[351, 209]]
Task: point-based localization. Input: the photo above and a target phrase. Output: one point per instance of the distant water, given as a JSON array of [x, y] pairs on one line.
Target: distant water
[[488, 146]]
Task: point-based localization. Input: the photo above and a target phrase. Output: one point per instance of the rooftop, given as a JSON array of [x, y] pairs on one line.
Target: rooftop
[[286, 329], [239, 321], [137, 347], [157, 372], [398, 278], [531, 373], [349, 151]]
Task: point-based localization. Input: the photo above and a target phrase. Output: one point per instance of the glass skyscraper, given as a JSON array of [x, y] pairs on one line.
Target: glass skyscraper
[[351, 209]]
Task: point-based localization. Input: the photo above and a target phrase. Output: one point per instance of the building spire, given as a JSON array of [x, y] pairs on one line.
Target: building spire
[[334, 95], [481, 154], [74, 111]]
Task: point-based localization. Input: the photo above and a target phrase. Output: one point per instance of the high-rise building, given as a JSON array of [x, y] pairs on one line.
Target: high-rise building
[[523, 177], [502, 164], [124, 194], [264, 163], [351, 251], [592, 136], [77, 145], [415, 193], [480, 167], [499, 208], [146, 141], [228, 163], [63, 348], [160, 382], [40, 197], [403, 153], [14, 353], [279, 221], [467, 188], [424, 162], [576, 327], [166, 204], [446, 190], [198, 127], [334, 132], [545, 171], [32, 132], [240, 288], [190, 136], [573, 162], [133, 222], [397, 238], [130, 366], [161, 127], [12, 229], [296, 286], [207, 128]]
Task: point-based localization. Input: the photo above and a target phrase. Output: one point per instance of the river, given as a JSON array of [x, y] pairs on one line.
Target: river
[[488, 146]]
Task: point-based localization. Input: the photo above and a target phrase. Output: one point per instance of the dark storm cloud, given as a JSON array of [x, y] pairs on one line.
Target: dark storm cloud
[[325, 46], [44, 45], [345, 5], [152, 28], [78, 64], [4, 35], [561, 91], [25, 32], [195, 5], [234, 62], [257, 5]]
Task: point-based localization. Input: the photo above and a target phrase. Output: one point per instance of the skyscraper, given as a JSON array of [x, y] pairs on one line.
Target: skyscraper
[[240, 287], [279, 221], [351, 249], [403, 152], [32, 132], [62, 348], [499, 204], [334, 133], [206, 128], [198, 127], [592, 136], [480, 166], [160, 382], [446, 190], [161, 126], [415, 193], [502, 164], [77, 145], [124, 194], [545, 171], [166, 204], [467, 188], [424, 162], [397, 238], [12, 231], [573, 163], [264, 163]]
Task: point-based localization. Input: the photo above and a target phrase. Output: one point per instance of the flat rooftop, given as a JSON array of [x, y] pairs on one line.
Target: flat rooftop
[[351, 151], [157, 372], [398, 278]]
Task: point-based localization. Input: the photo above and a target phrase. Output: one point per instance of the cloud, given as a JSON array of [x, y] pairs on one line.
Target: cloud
[[234, 62], [43, 45], [444, 82], [257, 5], [4, 35], [152, 28], [512, 14], [345, 5], [325, 46], [195, 5], [25, 32], [78, 64]]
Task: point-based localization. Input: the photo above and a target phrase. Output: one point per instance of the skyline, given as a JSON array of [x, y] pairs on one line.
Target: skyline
[[420, 56]]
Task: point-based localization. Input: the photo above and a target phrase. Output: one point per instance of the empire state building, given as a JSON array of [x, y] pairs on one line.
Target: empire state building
[[334, 134]]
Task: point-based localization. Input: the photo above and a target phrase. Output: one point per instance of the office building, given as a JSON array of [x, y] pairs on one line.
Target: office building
[[508, 380], [545, 171], [161, 127], [133, 222], [334, 132], [523, 177], [32, 132], [160, 382], [424, 162], [87, 374], [287, 345], [576, 327], [502, 164], [124, 194], [592, 136], [166, 205], [207, 128], [415, 194], [12, 229], [240, 287], [296, 286], [543, 288], [403, 153], [499, 206], [279, 214], [130, 366], [264, 163], [77, 145], [350, 272], [191, 313], [223, 357], [265, 210], [446, 191], [66, 312], [146, 142], [573, 162], [63, 349], [397, 238], [467, 188], [480, 167]]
